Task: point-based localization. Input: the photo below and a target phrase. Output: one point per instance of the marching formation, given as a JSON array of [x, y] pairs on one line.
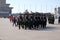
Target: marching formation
[[29, 21], [32, 20]]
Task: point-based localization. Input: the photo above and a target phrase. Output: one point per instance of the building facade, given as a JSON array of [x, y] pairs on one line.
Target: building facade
[[59, 11], [5, 10], [56, 12]]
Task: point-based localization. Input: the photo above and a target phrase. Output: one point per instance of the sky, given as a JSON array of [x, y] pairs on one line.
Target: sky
[[33, 5]]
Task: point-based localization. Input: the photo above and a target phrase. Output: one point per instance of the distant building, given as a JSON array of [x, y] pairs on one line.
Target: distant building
[[56, 12], [5, 10], [59, 11]]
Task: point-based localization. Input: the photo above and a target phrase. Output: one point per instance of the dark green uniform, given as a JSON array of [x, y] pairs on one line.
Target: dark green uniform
[[59, 19]]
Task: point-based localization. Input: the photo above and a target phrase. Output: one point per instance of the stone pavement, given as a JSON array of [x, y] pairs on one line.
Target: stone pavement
[[9, 32]]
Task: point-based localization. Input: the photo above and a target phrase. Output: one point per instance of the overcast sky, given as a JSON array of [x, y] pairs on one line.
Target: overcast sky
[[33, 5]]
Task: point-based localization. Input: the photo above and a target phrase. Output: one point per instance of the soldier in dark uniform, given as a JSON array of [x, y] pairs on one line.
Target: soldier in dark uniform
[[33, 22], [30, 22], [20, 21], [23, 22], [37, 23], [51, 19], [59, 19], [40, 21], [45, 21], [26, 22], [26, 19]]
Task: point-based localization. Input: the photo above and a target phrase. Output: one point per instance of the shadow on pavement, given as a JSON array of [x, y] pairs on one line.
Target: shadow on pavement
[[48, 28]]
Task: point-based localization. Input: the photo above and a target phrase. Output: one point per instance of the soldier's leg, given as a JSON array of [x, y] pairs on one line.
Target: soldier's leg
[[30, 27], [22, 25], [25, 25], [35, 26], [19, 26], [43, 25]]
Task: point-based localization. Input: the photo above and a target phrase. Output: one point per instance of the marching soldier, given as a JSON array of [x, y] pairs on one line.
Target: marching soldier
[[30, 22], [35, 22], [20, 21], [45, 21], [26, 22], [51, 19], [40, 21], [59, 19]]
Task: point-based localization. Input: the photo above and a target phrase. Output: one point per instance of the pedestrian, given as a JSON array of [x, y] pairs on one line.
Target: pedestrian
[[14, 21]]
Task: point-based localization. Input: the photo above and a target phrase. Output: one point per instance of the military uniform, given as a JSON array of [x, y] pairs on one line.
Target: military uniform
[[20, 21], [51, 19], [59, 20]]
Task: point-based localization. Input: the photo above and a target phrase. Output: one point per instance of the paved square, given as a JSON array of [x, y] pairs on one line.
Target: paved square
[[9, 32]]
